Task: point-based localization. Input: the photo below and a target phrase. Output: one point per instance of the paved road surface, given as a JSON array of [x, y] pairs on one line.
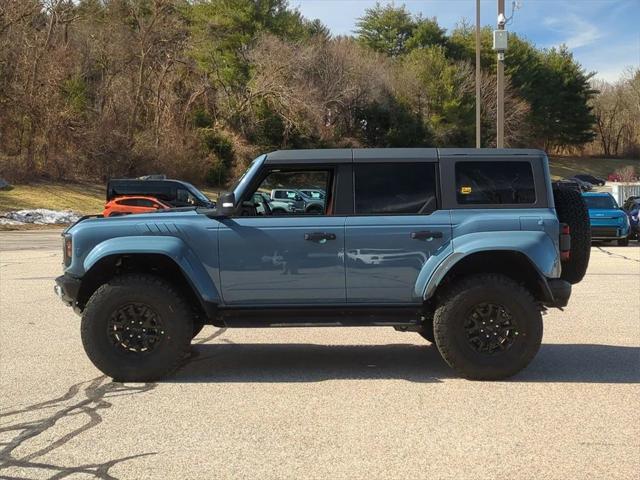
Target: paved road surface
[[30, 240], [319, 403]]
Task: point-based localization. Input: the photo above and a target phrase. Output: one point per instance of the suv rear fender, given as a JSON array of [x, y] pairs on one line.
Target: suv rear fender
[[536, 248], [171, 247]]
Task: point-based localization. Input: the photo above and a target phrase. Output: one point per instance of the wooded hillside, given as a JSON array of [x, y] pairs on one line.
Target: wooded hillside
[[96, 88]]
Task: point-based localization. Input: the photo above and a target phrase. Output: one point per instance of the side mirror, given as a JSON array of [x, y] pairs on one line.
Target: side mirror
[[226, 204]]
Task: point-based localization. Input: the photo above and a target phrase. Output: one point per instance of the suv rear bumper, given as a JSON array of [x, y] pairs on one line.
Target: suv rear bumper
[[560, 291], [67, 288]]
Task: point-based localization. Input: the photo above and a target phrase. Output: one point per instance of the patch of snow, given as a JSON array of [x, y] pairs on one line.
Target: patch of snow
[[8, 221], [39, 216]]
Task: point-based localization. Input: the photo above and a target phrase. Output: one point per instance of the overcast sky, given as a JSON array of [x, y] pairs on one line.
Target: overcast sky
[[604, 35]]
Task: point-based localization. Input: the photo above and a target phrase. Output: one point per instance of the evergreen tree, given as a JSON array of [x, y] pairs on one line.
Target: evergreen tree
[[394, 31]]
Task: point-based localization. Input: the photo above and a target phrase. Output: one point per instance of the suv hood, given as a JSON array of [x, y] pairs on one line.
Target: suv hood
[[172, 214]]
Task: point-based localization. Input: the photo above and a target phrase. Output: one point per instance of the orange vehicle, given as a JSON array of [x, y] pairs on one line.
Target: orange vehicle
[[126, 205]]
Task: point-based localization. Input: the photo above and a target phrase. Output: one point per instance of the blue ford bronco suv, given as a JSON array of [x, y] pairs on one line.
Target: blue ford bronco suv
[[467, 247]]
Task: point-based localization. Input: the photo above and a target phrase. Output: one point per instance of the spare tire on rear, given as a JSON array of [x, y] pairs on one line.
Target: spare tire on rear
[[572, 210]]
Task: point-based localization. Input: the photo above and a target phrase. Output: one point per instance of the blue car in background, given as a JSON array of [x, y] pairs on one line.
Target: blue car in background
[[608, 220], [632, 207]]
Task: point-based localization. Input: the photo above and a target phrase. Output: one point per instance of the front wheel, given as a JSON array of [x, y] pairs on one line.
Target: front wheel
[[136, 328], [488, 327]]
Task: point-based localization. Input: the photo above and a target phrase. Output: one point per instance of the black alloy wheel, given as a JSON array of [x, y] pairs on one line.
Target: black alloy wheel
[[135, 328], [490, 328]]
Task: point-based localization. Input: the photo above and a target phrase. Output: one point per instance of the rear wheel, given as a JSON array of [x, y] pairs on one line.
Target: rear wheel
[[488, 327], [572, 210], [136, 328]]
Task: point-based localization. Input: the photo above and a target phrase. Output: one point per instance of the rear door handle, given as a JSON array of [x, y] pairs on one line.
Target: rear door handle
[[425, 235], [319, 236]]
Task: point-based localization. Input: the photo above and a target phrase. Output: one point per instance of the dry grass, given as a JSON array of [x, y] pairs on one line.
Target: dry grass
[[563, 167], [84, 198]]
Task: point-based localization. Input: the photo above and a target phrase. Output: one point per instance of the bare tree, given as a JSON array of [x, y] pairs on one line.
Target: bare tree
[[617, 112]]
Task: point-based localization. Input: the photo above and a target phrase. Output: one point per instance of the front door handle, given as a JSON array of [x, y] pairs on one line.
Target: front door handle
[[319, 236], [425, 235]]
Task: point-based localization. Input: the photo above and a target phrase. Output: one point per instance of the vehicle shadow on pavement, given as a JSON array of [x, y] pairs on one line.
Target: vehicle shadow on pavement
[[226, 362], [229, 362], [584, 363]]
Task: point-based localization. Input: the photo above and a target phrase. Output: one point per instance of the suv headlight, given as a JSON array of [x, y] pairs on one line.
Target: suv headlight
[[67, 249]]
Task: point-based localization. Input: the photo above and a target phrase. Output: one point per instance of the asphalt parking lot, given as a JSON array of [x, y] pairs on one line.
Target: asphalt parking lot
[[319, 403]]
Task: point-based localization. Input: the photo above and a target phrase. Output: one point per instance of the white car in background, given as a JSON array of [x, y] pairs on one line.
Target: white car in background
[[277, 207], [301, 201]]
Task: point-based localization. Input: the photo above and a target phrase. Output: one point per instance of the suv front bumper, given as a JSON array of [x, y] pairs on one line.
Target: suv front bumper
[[67, 288]]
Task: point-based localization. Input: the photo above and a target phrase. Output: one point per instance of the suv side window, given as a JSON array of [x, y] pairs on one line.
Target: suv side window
[[495, 182], [286, 185], [395, 188]]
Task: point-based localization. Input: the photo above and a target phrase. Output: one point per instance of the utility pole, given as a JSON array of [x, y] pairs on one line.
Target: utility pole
[[478, 76], [500, 80]]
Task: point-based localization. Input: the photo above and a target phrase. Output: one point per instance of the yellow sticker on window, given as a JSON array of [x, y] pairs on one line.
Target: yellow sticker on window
[[465, 190]]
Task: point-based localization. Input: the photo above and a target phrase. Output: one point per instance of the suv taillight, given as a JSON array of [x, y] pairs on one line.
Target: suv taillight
[[67, 249], [565, 242]]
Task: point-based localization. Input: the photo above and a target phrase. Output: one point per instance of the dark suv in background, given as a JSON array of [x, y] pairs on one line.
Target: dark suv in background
[[175, 192]]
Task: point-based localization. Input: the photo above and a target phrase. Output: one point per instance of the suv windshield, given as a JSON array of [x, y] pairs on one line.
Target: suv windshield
[[239, 184], [603, 203]]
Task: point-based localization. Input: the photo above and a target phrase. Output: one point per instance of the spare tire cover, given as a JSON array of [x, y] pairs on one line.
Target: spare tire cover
[[572, 210]]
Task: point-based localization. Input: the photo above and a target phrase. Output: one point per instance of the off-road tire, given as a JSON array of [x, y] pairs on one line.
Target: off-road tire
[[168, 304], [572, 210], [451, 337], [623, 242]]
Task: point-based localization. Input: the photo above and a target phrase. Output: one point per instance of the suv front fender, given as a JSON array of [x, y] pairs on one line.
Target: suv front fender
[[537, 247], [172, 247]]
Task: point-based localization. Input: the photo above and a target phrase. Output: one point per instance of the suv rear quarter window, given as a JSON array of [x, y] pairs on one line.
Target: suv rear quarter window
[[494, 182]]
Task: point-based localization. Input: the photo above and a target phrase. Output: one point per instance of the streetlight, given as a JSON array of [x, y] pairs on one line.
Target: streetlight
[[478, 73], [500, 40]]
